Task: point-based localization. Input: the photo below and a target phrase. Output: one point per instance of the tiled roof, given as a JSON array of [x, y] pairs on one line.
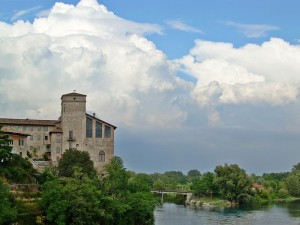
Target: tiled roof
[[8, 121], [56, 130]]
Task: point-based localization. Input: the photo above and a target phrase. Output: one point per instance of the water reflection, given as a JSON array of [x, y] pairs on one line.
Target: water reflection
[[272, 214]]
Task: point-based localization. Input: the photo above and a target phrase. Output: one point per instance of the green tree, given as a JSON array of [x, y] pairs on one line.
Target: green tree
[[72, 200], [126, 199], [204, 185], [159, 185], [8, 213], [140, 182], [233, 182], [5, 147], [18, 170], [193, 174], [74, 158], [293, 183]]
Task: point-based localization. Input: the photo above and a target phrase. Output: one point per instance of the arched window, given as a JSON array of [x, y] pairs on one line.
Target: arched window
[[102, 156]]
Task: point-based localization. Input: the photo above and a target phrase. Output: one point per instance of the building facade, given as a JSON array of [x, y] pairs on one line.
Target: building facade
[[74, 129]]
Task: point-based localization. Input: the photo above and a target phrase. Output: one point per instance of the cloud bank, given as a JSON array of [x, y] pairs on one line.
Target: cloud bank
[[252, 74], [89, 49]]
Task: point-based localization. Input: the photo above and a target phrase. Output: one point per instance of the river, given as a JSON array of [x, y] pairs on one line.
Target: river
[[270, 214]]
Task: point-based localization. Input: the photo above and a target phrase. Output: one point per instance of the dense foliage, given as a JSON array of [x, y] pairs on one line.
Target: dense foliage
[[73, 158], [7, 212], [72, 200], [234, 183], [117, 198]]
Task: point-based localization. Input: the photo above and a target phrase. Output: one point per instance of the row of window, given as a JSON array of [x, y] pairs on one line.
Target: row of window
[[30, 128], [99, 129], [21, 142], [101, 153], [38, 137]]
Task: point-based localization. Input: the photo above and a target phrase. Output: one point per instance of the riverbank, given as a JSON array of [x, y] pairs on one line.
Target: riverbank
[[217, 202], [209, 202]]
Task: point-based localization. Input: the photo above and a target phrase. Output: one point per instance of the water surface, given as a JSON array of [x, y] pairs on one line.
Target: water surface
[[271, 214]]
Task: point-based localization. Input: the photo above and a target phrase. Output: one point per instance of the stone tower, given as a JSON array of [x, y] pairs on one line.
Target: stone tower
[[85, 132], [73, 120]]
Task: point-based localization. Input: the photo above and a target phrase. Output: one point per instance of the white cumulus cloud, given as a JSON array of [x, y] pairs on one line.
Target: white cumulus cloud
[[251, 74], [90, 49]]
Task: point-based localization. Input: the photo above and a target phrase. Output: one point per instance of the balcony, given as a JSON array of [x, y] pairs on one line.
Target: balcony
[[70, 139]]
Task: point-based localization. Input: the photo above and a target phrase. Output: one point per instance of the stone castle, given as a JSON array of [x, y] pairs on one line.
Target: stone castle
[[74, 129]]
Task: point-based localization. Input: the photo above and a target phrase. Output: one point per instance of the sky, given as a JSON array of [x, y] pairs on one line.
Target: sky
[[190, 84]]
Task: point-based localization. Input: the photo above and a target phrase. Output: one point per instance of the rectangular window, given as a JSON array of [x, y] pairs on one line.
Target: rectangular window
[[107, 132], [24, 128], [45, 128], [57, 149], [17, 128], [98, 130], [89, 127], [57, 158], [21, 142], [39, 128], [31, 128], [39, 137], [71, 135], [46, 138], [31, 137]]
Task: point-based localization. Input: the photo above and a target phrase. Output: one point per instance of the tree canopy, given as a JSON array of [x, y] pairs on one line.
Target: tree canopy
[[5, 147], [233, 182], [73, 158]]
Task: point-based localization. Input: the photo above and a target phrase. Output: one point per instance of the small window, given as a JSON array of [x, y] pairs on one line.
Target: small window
[[57, 149], [21, 142], [70, 135], [24, 128], [102, 156], [46, 138], [31, 137], [107, 132], [31, 128], [21, 154], [39, 128], [17, 128], [39, 137], [57, 158], [45, 128]]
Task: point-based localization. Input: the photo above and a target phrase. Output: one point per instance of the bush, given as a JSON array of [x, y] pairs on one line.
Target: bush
[[283, 193]]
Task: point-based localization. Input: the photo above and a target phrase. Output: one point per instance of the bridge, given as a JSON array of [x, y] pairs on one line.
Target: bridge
[[187, 194]]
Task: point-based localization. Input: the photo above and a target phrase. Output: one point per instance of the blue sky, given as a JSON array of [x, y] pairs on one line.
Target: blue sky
[[189, 84]]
